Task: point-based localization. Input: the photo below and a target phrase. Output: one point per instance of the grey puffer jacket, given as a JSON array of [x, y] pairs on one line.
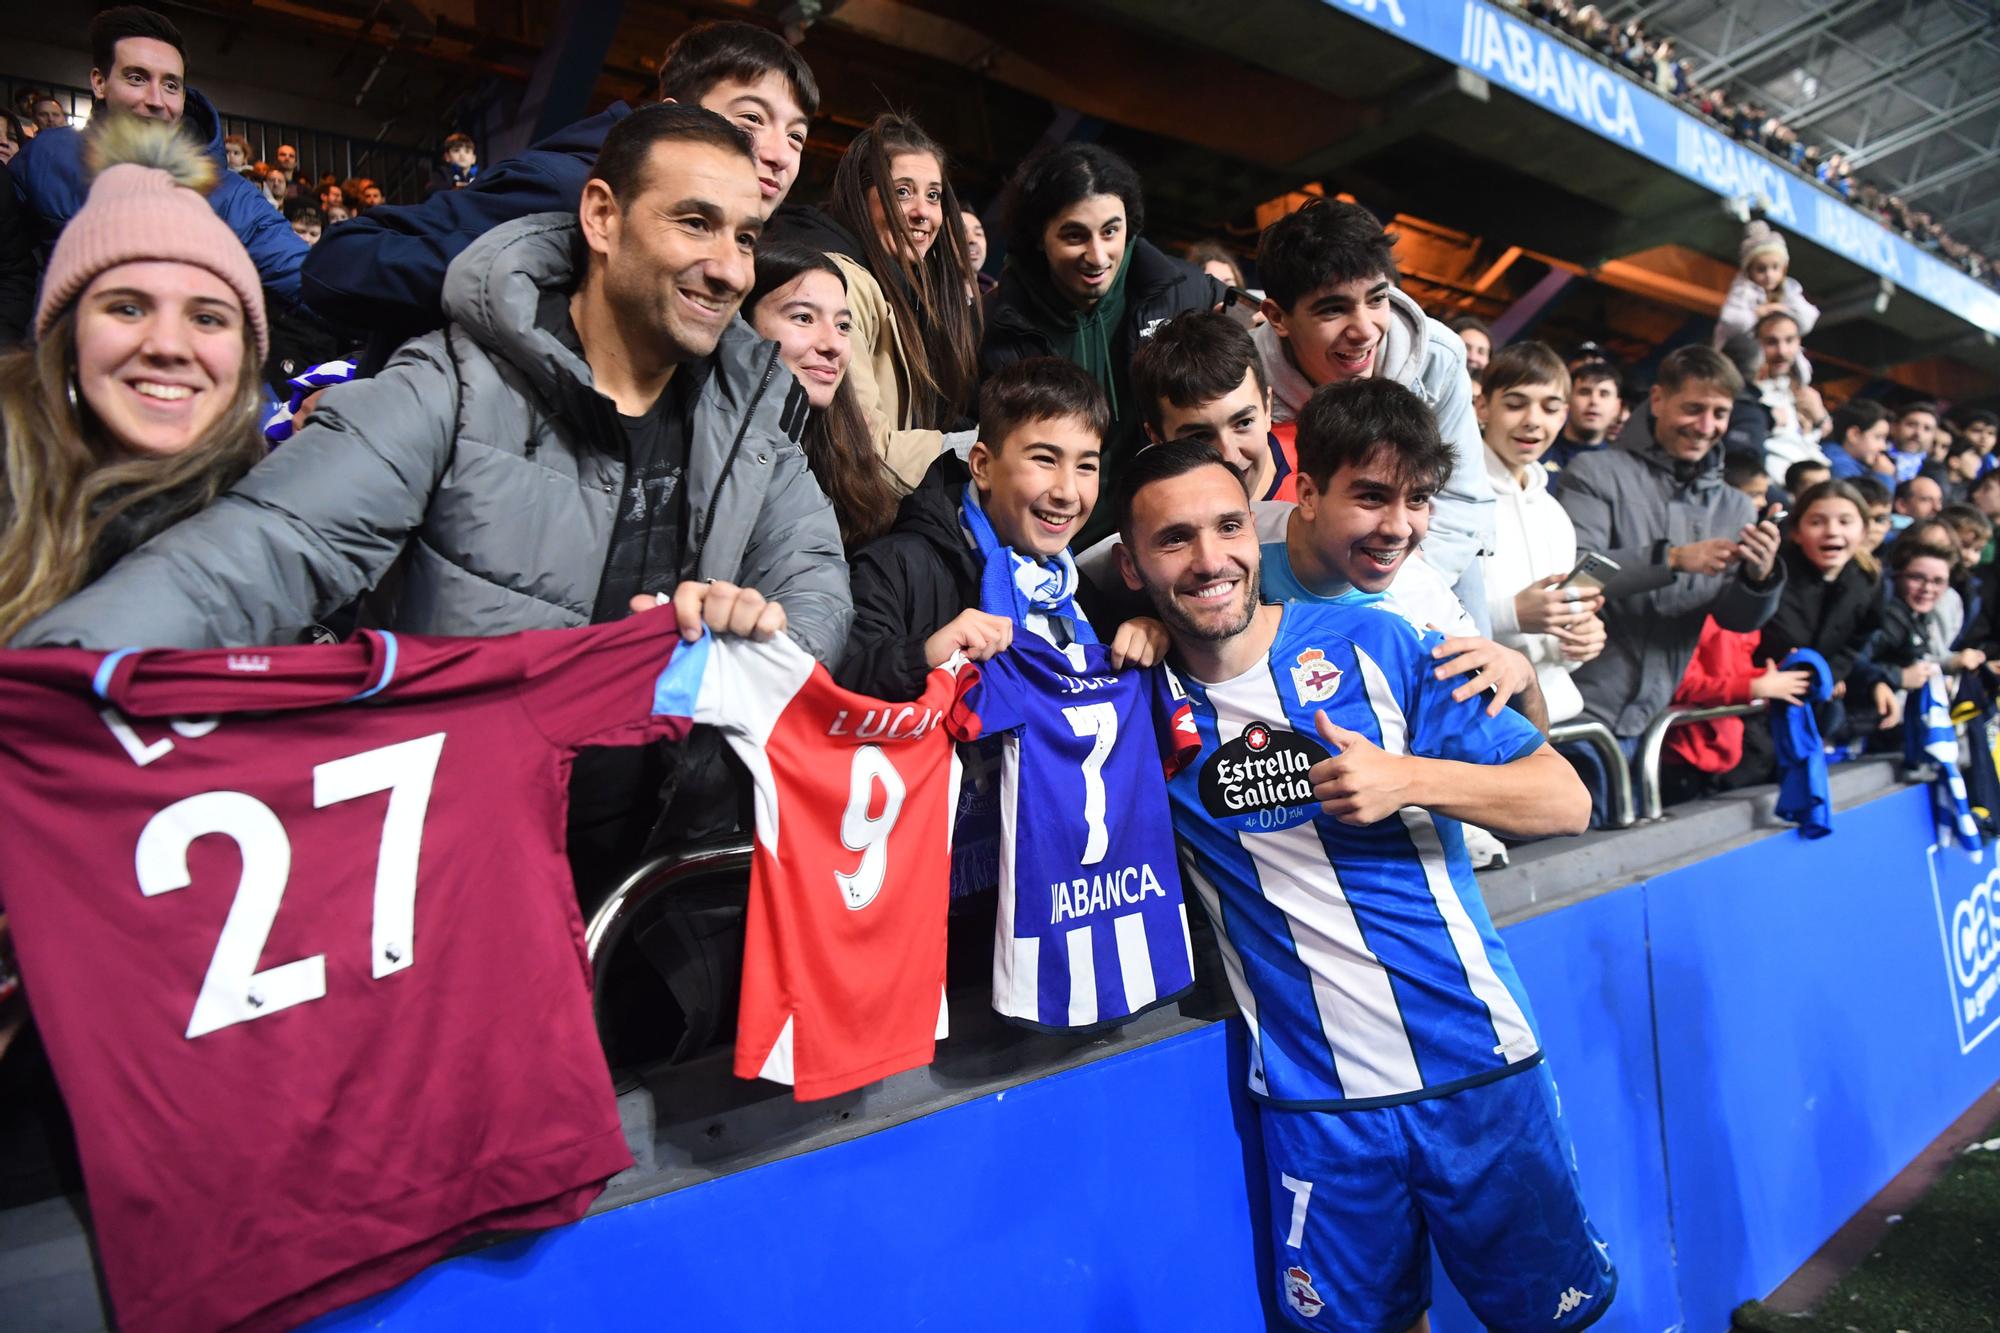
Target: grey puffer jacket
[[483, 467], [1631, 503]]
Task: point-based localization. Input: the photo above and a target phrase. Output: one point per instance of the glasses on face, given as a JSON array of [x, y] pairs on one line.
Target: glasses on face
[[1919, 581]]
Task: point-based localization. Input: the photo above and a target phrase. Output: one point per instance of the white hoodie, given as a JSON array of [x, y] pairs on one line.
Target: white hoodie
[[1427, 358], [1532, 539]]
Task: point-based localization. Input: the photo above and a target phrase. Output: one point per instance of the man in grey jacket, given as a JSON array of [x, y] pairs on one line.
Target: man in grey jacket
[[1333, 312], [1688, 545], [567, 443]]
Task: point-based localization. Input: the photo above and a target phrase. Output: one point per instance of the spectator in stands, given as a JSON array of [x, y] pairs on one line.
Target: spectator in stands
[[1003, 517], [1478, 340], [1783, 385], [337, 213], [307, 222], [800, 302], [1701, 758], [11, 139], [1911, 439], [271, 183], [1876, 496], [1761, 286], [1803, 476], [1081, 281], [25, 99], [1961, 469], [1742, 473], [1982, 427], [287, 161], [1335, 313], [1199, 377], [385, 272], [976, 252], [664, 409], [137, 69], [891, 225], [141, 401], [1974, 531], [1534, 546], [1634, 504], [1985, 496], [371, 194], [332, 195], [461, 160], [235, 153], [1919, 622], [19, 270], [1215, 261], [49, 114], [1860, 429], [1594, 409], [1918, 498]]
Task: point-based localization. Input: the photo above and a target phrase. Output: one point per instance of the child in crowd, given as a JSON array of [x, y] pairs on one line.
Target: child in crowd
[[1875, 495], [1762, 286], [307, 224], [461, 160], [1746, 473], [799, 302], [1985, 495], [1807, 473], [1962, 462], [1534, 546], [1857, 438], [1200, 376], [1923, 615], [236, 153], [1002, 517]]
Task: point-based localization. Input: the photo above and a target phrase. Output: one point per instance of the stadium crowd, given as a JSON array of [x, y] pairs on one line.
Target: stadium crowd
[[1653, 60], [629, 373]]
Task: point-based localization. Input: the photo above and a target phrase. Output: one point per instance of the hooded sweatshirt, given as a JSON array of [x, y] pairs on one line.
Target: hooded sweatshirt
[[1532, 539], [1427, 358], [1632, 502]]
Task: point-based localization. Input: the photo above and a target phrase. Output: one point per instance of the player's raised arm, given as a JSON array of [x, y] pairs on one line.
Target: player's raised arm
[[1537, 795]]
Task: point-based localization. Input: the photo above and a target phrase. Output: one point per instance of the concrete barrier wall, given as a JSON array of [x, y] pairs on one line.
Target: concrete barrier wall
[[1747, 1048]]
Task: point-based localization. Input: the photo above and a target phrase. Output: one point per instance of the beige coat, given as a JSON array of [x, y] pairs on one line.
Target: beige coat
[[880, 376]]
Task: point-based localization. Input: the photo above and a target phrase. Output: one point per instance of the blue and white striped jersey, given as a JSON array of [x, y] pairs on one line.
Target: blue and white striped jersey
[[1091, 928], [1362, 958]]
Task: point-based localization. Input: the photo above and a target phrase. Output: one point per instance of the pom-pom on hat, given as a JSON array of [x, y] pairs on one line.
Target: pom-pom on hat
[[148, 201], [1759, 238]]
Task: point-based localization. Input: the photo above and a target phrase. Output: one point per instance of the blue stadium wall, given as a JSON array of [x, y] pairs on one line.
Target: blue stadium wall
[[1747, 1049]]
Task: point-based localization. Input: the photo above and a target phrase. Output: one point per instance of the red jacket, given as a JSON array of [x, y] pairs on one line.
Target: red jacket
[[1720, 672]]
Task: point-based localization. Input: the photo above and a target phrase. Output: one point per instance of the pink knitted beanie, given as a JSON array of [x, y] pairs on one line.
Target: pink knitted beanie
[[149, 203]]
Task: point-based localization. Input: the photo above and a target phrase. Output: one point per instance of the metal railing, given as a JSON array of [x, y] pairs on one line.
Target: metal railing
[[1617, 773], [672, 870], [1653, 741], [404, 172]]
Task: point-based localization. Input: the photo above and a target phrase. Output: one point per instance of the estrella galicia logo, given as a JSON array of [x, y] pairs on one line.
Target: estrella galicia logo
[[1967, 892], [1258, 783]]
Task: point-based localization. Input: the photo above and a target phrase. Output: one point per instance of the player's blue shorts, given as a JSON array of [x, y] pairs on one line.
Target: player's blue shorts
[[1486, 1173]]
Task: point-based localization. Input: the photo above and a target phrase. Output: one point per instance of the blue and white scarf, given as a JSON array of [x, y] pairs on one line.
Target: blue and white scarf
[[279, 427], [1930, 737], [1018, 586]]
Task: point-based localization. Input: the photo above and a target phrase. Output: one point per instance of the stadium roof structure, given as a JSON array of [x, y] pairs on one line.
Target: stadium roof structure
[[1908, 90]]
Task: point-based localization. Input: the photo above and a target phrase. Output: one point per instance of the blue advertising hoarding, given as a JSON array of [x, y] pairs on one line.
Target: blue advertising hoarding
[[1515, 54]]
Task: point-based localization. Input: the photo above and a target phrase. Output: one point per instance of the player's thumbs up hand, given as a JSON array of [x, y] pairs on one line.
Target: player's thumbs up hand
[[1361, 783], [1338, 737]]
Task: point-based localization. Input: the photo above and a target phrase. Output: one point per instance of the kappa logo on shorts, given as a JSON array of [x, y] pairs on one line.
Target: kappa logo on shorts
[[1570, 1300], [1299, 1293]]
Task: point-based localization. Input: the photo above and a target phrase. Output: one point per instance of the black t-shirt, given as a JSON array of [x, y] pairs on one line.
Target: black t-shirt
[[646, 535]]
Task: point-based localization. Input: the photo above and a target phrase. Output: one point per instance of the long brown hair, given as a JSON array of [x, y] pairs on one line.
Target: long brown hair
[[63, 484], [839, 448], [940, 327]]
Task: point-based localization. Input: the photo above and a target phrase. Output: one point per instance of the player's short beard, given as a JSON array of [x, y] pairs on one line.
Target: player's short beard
[[1181, 625]]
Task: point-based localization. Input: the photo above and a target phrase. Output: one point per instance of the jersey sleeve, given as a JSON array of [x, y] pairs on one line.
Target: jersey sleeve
[[1173, 720], [995, 694], [1444, 728], [602, 685], [963, 721], [739, 686]]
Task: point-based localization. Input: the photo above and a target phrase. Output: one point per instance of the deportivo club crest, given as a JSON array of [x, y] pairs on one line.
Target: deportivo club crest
[[1314, 677], [1299, 1293]]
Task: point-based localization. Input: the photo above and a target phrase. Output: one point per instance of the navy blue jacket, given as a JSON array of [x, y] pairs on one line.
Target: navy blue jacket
[[384, 270], [49, 178]]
